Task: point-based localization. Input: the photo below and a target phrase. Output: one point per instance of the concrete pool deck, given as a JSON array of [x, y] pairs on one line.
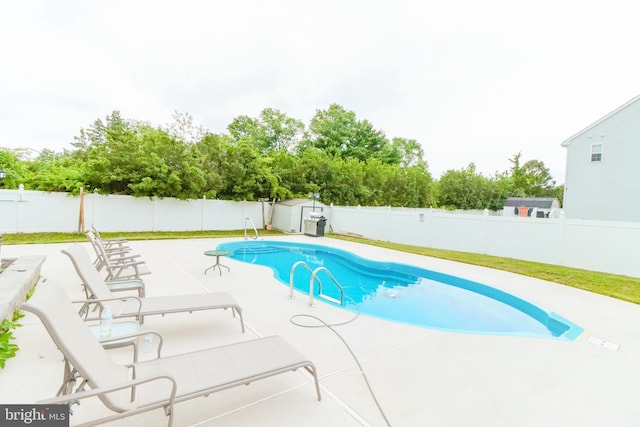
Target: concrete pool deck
[[419, 376]]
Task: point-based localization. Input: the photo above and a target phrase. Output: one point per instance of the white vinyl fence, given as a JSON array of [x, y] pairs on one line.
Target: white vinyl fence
[[37, 211], [607, 246]]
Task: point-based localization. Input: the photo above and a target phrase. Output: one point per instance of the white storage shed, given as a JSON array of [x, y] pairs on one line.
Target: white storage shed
[[289, 215]]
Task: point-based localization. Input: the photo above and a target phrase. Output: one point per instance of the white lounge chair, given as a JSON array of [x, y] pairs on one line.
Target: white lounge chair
[[122, 246], [159, 383], [137, 307], [116, 242], [118, 263]]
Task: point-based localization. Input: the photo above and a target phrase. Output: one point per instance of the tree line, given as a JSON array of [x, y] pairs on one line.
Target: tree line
[[342, 158]]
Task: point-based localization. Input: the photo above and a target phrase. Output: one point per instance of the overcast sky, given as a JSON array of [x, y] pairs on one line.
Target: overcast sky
[[471, 80]]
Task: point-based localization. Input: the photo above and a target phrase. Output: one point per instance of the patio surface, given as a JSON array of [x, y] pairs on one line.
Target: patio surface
[[421, 377]]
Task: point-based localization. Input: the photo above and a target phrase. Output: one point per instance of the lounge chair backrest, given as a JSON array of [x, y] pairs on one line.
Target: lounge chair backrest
[[96, 232], [99, 249], [76, 342], [114, 270], [94, 242], [88, 273]]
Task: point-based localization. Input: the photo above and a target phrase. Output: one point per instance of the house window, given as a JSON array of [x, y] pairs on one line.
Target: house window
[[596, 153]]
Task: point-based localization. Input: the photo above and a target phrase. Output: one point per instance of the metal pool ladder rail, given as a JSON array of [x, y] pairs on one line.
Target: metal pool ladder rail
[[312, 280], [252, 226]]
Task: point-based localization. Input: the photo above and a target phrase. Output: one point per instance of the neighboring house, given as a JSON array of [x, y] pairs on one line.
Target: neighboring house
[[540, 207], [602, 174]]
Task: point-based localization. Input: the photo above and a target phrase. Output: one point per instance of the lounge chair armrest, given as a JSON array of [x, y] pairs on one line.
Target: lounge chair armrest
[[87, 303], [134, 335], [115, 244], [128, 270], [99, 300], [122, 386], [117, 250], [124, 265], [69, 398], [114, 240], [117, 255], [121, 244], [127, 259]]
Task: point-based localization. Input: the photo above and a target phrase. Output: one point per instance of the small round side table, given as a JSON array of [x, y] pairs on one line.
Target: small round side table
[[217, 253]]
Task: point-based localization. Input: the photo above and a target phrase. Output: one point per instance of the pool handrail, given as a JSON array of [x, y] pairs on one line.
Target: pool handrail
[[314, 277], [253, 226], [320, 294], [293, 268]]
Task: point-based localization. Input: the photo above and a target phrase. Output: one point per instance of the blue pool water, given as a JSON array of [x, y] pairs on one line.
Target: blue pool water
[[405, 293]]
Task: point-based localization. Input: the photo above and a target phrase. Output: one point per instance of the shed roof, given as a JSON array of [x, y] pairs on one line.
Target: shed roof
[[569, 140], [531, 202]]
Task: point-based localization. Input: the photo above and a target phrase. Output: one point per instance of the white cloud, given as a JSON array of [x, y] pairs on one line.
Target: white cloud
[[472, 81]]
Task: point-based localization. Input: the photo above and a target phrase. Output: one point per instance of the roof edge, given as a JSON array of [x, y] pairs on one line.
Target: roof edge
[[568, 141]]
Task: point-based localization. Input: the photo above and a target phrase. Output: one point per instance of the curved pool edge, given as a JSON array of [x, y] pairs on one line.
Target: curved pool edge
[[559, 327], [573, 332]]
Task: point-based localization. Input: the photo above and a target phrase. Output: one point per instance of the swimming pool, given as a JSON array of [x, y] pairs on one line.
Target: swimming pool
[[404, 293]]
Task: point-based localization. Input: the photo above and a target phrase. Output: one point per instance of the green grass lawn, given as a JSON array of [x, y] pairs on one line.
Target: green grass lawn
[[622, 287], [42, 238]]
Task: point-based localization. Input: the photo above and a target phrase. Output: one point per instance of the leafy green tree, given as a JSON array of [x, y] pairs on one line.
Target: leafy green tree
[[211, 152], [273, 130], [283, 133], [134, 158], [414, 188], [498, 188], [331, 130], [337, 132], [393, 185], [347, 185], [96, 134], [558, 193], [532, 179], [54, 172], [113, 164], [13, 168], [290, 177], [49, 171], [463, 189], [369, 143], [314, 172], [246, 173], [164, 167], [344, 159], [410, 152], [248, 130]]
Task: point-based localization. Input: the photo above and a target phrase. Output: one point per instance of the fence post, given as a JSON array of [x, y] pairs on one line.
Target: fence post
[[81, 216], [204, 199]]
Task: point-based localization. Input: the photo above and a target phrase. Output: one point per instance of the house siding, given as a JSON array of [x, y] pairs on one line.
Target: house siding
[[608, 190]]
